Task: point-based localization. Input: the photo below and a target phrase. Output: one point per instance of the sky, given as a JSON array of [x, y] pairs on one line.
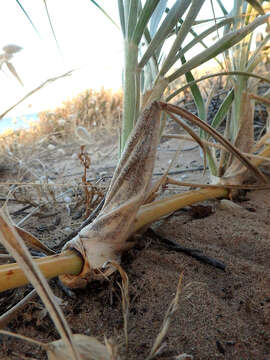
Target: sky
[[88, 42]]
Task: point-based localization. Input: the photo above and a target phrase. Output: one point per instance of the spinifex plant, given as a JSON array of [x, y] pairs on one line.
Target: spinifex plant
[[148, 72]]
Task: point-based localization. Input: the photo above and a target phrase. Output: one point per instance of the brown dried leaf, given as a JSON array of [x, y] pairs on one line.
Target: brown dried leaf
[[106, 238], [203, 125]]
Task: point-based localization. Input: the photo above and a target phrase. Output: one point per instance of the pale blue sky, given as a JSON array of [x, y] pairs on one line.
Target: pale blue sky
[[88, 41]]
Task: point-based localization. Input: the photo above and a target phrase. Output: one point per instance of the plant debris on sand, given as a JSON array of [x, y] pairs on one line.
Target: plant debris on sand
[[221, 314]]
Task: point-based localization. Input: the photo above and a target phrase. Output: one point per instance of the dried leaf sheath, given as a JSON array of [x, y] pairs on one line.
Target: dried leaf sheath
[[106, 237]]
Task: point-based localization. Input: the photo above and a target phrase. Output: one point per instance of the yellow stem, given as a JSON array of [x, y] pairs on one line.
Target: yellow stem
[[68, 262], [154, 211]]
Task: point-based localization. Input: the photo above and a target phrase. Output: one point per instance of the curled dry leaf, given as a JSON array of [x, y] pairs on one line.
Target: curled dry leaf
[[106, 238]]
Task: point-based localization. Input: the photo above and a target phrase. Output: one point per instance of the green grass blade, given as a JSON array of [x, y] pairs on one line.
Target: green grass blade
[[157, 15], [132, 18], [51, 25], [204, 21], [225, 12], [130, 92], [28, 17], [201, 36], [104, 12], [121, 12], [257, 52], [145, 15], [182, 33], [167, 25], [211, 162], [155, 57], [226, 42], [198, 99], [223, 110]]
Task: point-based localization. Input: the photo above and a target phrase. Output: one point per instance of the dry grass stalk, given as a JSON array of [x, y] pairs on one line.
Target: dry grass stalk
[[124, 296], [35, 90], [94, 191], [158, 344]]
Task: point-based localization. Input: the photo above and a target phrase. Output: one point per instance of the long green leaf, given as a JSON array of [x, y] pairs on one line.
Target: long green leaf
[[104, 12], [257, 51], [223, 110], [156, 16], [203, 35], [182, 33], [198, 99], [225, 12], [122, 17], [132, 18], [28, 17], [51, 25], [145, 15], [204, 21], [226, 42], [167, 25]]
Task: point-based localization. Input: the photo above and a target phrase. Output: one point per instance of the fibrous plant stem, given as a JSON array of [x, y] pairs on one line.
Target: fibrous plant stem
[[70, 262]]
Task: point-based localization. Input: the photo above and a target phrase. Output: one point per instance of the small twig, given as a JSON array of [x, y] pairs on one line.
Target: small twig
[[197, 254]]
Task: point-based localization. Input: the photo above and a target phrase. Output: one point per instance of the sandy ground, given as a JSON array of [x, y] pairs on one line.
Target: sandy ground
[[222, 314]]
